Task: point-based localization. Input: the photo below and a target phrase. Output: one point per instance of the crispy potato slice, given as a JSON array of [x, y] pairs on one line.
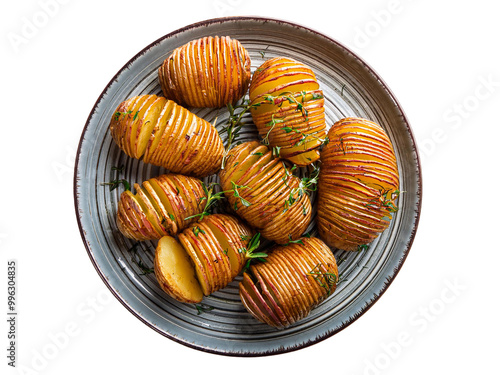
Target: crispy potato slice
[[255, 303]]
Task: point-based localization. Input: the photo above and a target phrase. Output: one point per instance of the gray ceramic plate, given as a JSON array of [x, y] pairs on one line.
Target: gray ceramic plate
[[351, 88]]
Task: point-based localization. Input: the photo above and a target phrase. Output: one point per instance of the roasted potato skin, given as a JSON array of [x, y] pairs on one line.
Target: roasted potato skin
[[358, 184], [273, 205], [292, 281], [207, 72], [287, 107], [158, 131], [161, 206]]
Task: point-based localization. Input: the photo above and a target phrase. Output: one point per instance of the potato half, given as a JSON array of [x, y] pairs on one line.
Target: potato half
[[209, 253], [358, 184], [287, 107], [175, 273], [207, 72], [293, 280], [160, 207], [163, 133], [261, 190]]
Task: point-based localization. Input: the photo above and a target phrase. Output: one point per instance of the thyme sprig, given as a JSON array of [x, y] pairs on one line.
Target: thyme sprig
[[137, 259], [211, 198], [203, 308], [290, 241], [117, 182], [234, 125], [325, 279], [303, 136], [385, 199], [307, 185], [236, 194], [250, 251]]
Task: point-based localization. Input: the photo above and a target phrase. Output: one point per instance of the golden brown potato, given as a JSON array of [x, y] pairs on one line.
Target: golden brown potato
[[205, 258], [287, 107], [163, 133], [175, 273], [261, 190], [290, 283], [358, 184], [161, 206], [207, 72]]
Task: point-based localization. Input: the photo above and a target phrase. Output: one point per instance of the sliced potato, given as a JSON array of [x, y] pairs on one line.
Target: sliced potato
[[161, 132], [207, 72], [175, 272], [288, 109], [293, 280], [358, 184], [162, 206], [266, 195], [281, 74]]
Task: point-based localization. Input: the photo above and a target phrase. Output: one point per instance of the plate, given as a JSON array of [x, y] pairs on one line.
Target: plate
[[220, 324]]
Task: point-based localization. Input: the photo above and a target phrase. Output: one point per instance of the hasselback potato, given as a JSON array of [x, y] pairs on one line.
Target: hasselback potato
[[162, 206], [358, 184], [206, 257], [287, 107], [263, 191], [163, 133], [290, 283], [207, 72]]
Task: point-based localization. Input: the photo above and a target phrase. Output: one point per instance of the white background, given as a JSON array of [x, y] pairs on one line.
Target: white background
[[442, 61]]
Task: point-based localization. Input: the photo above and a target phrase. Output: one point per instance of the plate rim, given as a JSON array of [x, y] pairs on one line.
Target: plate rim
[[369, 303]]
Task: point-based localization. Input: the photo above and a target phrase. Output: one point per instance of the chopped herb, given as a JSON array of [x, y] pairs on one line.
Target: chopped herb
[[137, 259], [236, 194], [197, 230], [385, 199], [116, 181], [362, 247], [250, 251], [211, 200], [276, 151], [325, 279], [118, 114], [290, 241], [203, 308]]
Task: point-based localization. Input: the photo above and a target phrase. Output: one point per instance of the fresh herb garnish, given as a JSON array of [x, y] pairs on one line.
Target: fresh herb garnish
[[290, 241], [137, 259], [116, 181], [250, 251], [236, 194], [385, 199], [234, 125], [118, 114], [203, 308], [362, 247], [211, 199], [197, 230], [307, 184], [325, 279]]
